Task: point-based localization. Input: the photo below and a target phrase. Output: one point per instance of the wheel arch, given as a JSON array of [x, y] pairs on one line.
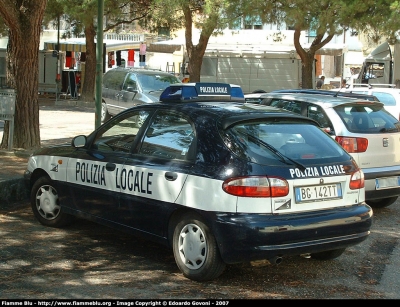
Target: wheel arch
[[37, 173], [176, 217]]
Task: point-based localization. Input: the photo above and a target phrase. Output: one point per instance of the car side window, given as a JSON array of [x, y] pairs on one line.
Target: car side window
[[293, 106], [130, 84], [118, 136], [169, 136], [318, 114], [114, 79]]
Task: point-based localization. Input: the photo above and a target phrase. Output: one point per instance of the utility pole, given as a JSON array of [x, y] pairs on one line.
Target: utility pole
[[99, 61], [343, 56]]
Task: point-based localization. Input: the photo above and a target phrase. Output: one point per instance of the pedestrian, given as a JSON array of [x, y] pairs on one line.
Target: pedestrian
[[142, 54], [320, 82], [344, 83]]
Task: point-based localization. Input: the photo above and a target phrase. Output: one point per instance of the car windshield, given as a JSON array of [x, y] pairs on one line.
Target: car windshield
[[156, 82], [277, 143]]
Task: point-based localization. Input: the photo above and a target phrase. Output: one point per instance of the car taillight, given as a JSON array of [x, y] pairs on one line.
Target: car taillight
[[357, 180], [256, 186], [352, 144]]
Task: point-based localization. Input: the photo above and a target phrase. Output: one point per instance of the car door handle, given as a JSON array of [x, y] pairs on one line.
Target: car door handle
[[171, 176], [110, 166]]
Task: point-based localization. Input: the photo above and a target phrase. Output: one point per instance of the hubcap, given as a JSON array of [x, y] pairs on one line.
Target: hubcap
[[47, 202], [192, 246]]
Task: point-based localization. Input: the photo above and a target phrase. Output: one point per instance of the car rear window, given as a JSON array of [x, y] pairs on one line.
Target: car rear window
[[367, 119], [386, 98], [277, 143]]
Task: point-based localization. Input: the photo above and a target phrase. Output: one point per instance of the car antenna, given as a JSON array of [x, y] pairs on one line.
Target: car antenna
[[337, 92]]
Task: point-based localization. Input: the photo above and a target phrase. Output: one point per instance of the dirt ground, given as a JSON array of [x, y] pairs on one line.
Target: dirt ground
[[88, 261]]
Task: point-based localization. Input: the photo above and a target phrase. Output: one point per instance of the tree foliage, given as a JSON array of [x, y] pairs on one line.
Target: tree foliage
[[323, 20], [205, 17]]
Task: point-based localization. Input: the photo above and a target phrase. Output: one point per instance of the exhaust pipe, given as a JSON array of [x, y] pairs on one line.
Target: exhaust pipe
[[274, 261]]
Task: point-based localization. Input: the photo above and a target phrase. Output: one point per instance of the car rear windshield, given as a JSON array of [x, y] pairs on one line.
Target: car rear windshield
[[282, 143], [368, 119], [386, 98]]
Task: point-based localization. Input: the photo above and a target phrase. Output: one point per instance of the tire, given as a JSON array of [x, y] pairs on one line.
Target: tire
[[195, 249], [105, 116], [328, 255], [45, 204], [381, 203]]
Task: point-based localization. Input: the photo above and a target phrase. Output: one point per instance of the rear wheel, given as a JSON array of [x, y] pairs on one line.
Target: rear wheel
[[195, 249], [45, 204], [381, 203], [105, 116], [328, 255]]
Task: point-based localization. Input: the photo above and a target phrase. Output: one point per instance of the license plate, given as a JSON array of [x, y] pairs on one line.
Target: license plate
[[388, 182], [318, 192]]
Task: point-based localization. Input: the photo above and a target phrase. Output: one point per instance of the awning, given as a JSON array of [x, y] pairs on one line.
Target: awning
[[75, 46], [80, 45]]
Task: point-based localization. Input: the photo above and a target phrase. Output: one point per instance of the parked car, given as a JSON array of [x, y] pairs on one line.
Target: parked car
[[127, 87], [364, 128], [218, 181], [389, 96]]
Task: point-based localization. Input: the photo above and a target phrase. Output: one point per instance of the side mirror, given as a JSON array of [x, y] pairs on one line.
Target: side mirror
[[328, 130], [79, 141], [131, 89]]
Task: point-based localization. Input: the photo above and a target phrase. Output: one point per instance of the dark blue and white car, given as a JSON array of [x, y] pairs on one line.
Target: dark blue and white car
[[217, 180]]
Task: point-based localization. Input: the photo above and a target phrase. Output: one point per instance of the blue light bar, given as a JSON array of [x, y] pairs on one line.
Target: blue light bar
[[201, 91]]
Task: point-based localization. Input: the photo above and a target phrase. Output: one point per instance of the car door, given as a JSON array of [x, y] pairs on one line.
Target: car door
[[93, 174], [130, 94], [113, 82], [154, 175]]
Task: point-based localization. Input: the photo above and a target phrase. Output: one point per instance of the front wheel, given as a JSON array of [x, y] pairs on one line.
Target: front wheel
[[381, 203], [328, 255], [195, 249], [45, 204]]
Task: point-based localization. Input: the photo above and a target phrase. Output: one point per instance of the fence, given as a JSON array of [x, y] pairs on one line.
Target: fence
[[7, 112]]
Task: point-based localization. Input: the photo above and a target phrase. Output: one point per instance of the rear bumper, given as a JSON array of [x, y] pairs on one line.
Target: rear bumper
[[370, 175], [250, 237]]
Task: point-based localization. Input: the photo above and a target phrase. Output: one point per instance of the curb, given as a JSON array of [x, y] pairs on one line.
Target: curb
[[12, 190], [12, 186]]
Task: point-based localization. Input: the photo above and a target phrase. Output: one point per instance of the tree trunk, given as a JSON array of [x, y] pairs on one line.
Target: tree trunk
[[308, 56], [88, 89], [24, 20], [196, 52]]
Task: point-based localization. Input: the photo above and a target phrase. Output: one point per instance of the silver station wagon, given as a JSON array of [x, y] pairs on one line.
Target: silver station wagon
[[364, 128]]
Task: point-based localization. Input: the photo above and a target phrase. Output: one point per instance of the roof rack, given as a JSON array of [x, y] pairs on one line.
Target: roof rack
[[372, 85]]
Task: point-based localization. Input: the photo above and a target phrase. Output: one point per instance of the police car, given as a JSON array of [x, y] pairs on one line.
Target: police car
[[217, 180]]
